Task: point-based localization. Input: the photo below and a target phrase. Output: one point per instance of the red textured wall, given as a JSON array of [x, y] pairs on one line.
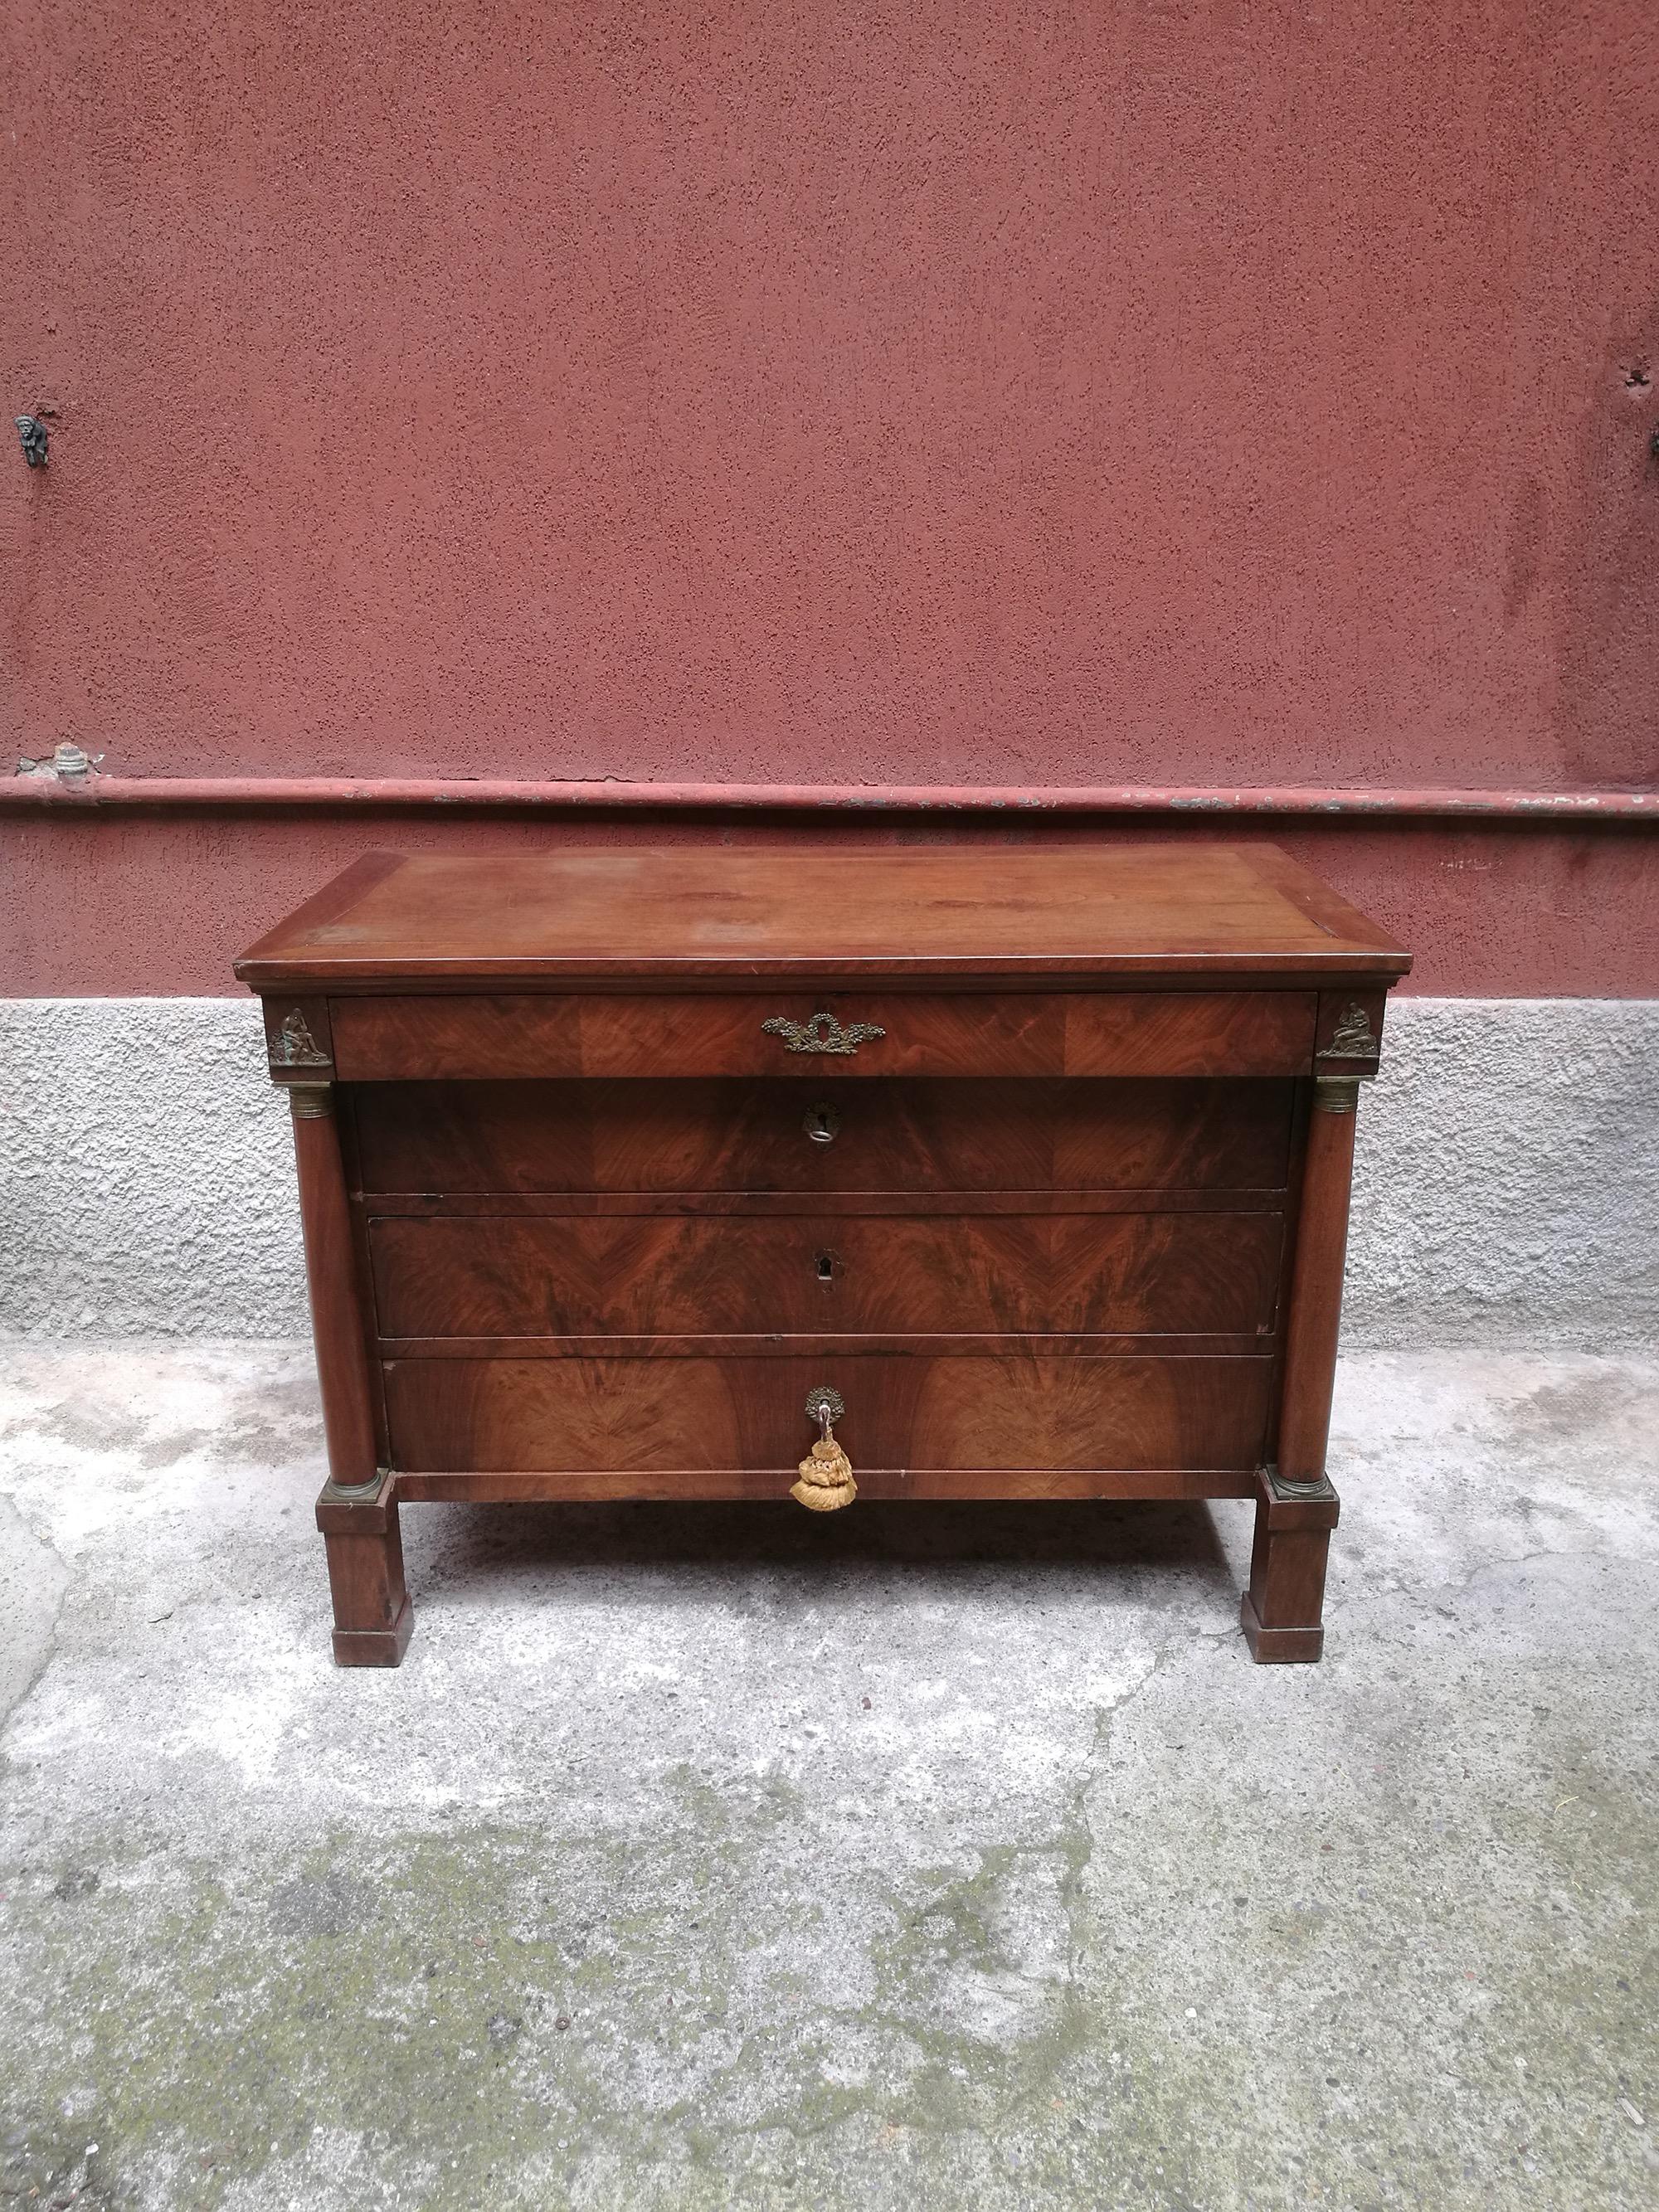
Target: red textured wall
[[1221, 392]]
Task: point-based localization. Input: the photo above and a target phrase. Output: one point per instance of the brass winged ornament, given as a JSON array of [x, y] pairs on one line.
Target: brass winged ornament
[[824, 1033]]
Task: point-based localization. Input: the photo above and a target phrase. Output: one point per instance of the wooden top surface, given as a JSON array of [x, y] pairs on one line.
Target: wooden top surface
[[1066, 910]]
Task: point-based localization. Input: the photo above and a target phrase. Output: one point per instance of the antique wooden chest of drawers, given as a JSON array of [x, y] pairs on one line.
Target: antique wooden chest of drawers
[[975, 1171]]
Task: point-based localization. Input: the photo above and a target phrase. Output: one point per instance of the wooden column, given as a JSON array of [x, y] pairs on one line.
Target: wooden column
[[357, 1510], [1296, 1508], [331, 1283], [1321, 1246]]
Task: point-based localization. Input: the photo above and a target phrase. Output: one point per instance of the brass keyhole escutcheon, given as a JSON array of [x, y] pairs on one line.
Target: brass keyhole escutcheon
[[821, 1123], [826, 1267]]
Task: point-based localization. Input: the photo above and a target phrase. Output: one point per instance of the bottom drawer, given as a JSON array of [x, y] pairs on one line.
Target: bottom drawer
[[651, 1417]]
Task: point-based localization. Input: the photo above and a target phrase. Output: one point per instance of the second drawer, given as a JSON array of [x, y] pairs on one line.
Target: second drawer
[[557, 1276], [823, 1133]]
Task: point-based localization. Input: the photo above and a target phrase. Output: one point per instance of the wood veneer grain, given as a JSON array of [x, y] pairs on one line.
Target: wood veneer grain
[[961, 1135], [1011, 1412], [1051, 910], [1129, 1273], [506, 1036]]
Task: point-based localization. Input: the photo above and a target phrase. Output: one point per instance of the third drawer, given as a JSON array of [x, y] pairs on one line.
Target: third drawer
[[1208, 1273]]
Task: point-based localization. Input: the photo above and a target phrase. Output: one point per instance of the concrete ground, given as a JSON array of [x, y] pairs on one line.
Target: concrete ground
[[917, 1856]]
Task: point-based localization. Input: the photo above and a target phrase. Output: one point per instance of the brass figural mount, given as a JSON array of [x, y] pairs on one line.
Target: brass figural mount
[[1351, 1038], [293, 1045]]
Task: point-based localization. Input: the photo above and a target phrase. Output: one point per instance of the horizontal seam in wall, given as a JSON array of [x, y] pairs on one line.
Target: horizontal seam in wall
[[53, 793]]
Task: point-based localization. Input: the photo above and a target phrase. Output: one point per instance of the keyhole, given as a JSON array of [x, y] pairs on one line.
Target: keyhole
[[821, 1122], [826, 1264]]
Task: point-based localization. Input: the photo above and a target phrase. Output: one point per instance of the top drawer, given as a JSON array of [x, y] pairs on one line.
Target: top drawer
[[518, 1035]]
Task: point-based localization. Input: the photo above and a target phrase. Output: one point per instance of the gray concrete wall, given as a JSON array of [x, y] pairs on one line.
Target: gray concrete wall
[[1507, 1185], [1507, 1181]]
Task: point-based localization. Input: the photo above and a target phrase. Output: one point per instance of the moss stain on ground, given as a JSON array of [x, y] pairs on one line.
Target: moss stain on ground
[[485, 2004], [492, 2017]]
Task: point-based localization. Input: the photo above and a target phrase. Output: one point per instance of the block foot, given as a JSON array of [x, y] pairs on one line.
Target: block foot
[[372, 1612], [375, 1647], [1279, 1647]]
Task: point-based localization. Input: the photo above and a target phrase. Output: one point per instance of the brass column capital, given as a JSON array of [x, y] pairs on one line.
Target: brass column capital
[[1336, 1094], [310, 1102]]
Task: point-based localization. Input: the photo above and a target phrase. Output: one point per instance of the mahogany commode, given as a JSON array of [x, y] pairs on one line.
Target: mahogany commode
[[623, 1172]]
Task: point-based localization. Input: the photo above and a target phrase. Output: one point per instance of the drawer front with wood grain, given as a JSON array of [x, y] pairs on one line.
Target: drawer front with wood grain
[[1121, 1275], [854, 1034], [824, 1134], [736, 1427]]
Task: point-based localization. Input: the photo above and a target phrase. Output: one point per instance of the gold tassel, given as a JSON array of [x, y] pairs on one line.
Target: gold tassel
[[826, 1478]]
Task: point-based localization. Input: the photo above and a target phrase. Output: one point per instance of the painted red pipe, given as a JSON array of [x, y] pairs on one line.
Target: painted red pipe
[[1627, 808]]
